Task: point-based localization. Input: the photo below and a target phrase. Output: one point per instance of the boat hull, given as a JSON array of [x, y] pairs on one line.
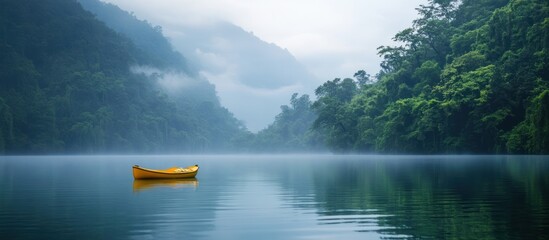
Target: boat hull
[[170, 173]]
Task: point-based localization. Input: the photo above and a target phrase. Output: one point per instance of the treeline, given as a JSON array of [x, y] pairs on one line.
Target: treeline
[[67, 85], [469, 76]]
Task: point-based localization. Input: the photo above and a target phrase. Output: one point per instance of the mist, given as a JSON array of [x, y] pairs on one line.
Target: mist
[[256, 62], [171, 82], [253, 78]]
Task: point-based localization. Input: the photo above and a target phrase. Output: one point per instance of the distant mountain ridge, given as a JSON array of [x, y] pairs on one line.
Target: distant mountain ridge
[[253, 77], [256, 58]]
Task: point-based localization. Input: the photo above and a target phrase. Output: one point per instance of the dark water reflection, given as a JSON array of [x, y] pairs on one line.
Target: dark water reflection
[[277, 197]]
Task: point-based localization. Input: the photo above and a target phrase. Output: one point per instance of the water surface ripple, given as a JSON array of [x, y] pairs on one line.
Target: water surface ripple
[[276, 197]]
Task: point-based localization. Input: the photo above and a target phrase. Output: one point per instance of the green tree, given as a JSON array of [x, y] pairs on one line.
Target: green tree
[[334, 118], [291, 130]]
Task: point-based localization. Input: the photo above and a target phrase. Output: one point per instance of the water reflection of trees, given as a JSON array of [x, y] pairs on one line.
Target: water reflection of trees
[[440, 198]]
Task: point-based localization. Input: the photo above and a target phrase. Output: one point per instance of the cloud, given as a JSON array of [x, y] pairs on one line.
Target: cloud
[[253, 78], [309, 29], [172, 82], [256, 107], [213, 62]]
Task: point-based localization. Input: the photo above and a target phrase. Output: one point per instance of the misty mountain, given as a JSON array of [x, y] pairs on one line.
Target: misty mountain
[[159, 50], [253, 77], [259, 64], [68, 83]]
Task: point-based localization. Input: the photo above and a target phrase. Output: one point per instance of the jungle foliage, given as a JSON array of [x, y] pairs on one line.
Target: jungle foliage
[[468, 76]]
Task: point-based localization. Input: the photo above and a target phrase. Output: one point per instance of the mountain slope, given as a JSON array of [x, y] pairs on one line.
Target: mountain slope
[[68, 84], [142, 34]]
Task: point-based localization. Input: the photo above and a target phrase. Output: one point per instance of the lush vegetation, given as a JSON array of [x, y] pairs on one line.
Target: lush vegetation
[[67, 85], [469, 76]]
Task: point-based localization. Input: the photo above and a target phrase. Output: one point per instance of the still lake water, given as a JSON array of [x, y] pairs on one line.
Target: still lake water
[[276, 197]]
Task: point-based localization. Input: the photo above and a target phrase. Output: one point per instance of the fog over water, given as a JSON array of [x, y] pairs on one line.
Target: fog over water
[[276, 197]]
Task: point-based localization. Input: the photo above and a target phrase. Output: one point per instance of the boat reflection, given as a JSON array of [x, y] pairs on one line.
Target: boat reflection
[[147, 184]]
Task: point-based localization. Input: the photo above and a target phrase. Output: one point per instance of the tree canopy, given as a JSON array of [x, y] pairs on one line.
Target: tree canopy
[[469, 76]]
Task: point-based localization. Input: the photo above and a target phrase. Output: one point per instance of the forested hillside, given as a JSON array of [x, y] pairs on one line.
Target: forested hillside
[[68, 83], [468, 76], [143, 35]]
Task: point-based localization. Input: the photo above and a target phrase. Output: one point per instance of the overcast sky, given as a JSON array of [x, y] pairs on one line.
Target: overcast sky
[[332, 38]]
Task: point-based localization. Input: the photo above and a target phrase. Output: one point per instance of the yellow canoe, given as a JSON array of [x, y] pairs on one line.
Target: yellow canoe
[[170, 173]]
